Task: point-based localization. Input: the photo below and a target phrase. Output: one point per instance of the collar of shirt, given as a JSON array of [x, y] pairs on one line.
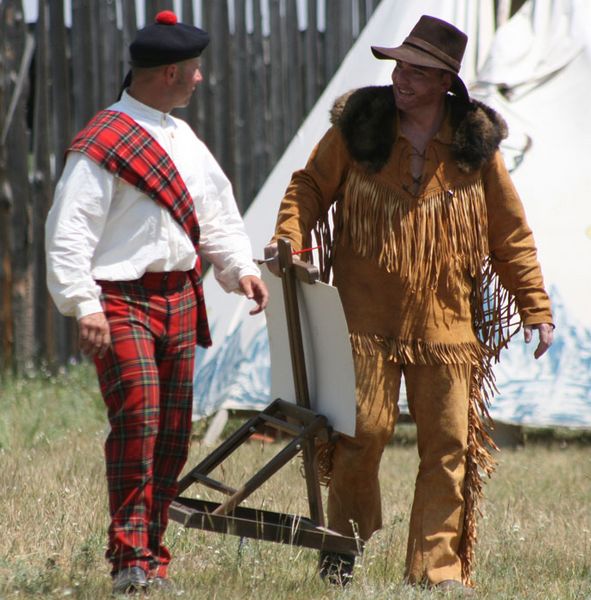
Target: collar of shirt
[[142, 113]]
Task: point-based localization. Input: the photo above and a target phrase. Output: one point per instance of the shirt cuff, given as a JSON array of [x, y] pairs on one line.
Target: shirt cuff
[[534, 322], [88, 308], [249, 270]]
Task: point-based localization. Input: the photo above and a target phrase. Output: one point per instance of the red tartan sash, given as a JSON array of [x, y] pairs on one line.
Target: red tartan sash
[[118, 144]]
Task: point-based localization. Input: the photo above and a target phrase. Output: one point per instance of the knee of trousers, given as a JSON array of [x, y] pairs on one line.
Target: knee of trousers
[[373, 430], [448, 465], [452, 440], [361, 454], [448, 442], [134, 425]]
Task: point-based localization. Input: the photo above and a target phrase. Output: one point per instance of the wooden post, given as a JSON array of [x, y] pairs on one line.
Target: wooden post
[[84, 63], [258, 105], [16, 54], [218, 89], [296, 345], [366, 8], [62, 121], [242, 137], [331, 48], [7, 18], [311, 54], [42, 185], [290, 73], [129, 29], [128, 32], [300, 378], [109, 43], [275, 73]]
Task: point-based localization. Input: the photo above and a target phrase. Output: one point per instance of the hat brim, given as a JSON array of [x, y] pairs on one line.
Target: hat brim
[[415, 56]]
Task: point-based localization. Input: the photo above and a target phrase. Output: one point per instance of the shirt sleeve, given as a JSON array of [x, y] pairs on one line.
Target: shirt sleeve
[[512, 246], [312, 190], [73, 228], [224, 242]]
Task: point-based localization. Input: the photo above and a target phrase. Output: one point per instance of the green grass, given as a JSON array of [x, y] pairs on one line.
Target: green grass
[[37, 411], [535, 534]]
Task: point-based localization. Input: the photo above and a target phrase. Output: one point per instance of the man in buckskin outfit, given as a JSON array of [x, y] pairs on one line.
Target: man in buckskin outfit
[[140, 199], [430, 251]]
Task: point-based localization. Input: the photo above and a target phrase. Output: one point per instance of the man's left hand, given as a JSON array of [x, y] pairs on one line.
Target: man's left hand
[[546, 333], [255, 289]]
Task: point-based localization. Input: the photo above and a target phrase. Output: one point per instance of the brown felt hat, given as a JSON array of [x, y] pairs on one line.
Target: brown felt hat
[[432, 43]]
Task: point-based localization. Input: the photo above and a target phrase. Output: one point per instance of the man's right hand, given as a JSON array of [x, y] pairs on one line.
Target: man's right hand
[[272, 258], [94, 334]]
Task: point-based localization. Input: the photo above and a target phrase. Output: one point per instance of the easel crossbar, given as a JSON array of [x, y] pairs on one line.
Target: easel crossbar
[[261, 525]]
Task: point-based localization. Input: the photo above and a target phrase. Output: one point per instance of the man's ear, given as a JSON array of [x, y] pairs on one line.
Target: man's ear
[[446, 81], [170, 73]]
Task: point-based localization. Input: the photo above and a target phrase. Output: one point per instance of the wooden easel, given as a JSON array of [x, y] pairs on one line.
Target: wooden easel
[[299, 421]]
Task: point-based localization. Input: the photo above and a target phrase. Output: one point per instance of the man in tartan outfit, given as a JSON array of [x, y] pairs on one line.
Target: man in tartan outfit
[[140, 199]]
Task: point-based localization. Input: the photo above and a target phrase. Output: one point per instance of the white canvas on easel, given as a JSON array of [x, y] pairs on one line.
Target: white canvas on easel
[[329, 360]]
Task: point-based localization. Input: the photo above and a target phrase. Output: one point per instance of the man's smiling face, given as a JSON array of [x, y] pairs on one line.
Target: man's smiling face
[[416, 86]]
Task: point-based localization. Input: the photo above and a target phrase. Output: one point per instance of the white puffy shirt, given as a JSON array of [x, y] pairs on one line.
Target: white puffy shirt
[[100, 227]]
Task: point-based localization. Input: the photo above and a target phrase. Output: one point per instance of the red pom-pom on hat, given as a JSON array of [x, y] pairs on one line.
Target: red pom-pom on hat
[[166, 17]]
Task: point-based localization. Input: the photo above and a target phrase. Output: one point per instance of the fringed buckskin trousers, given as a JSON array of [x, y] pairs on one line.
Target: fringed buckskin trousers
[[146, 380], [438, 401]]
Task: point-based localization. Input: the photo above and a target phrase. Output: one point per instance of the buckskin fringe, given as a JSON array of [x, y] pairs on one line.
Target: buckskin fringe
[[479, 460], [417, 352], [444, 232], [323, 234], [495, 321], [324, 454], [495, 317]]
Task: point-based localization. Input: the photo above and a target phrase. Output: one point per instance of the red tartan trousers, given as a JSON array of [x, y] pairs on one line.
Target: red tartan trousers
[[146, 379]]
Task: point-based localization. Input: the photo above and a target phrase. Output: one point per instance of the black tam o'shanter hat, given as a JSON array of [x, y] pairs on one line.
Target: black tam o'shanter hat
[[432, 43], [166, 41]]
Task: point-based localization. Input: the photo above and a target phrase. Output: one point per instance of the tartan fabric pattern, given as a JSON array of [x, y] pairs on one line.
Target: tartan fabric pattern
[[118, 144], [146, 380]]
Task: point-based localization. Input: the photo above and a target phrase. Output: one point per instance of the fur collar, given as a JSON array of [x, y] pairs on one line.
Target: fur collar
[[366, 118]]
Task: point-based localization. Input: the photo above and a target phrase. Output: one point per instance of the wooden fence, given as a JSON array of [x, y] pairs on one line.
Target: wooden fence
[[261, 79]]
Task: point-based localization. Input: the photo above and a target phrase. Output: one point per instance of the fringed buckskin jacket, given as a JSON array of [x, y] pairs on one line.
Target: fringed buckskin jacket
[[417, 270]]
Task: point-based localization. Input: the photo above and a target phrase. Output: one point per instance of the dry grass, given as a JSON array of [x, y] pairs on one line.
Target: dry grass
[[535, 533]]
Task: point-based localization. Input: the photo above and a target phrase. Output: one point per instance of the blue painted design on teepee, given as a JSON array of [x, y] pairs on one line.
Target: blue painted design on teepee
[[236, 375]]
